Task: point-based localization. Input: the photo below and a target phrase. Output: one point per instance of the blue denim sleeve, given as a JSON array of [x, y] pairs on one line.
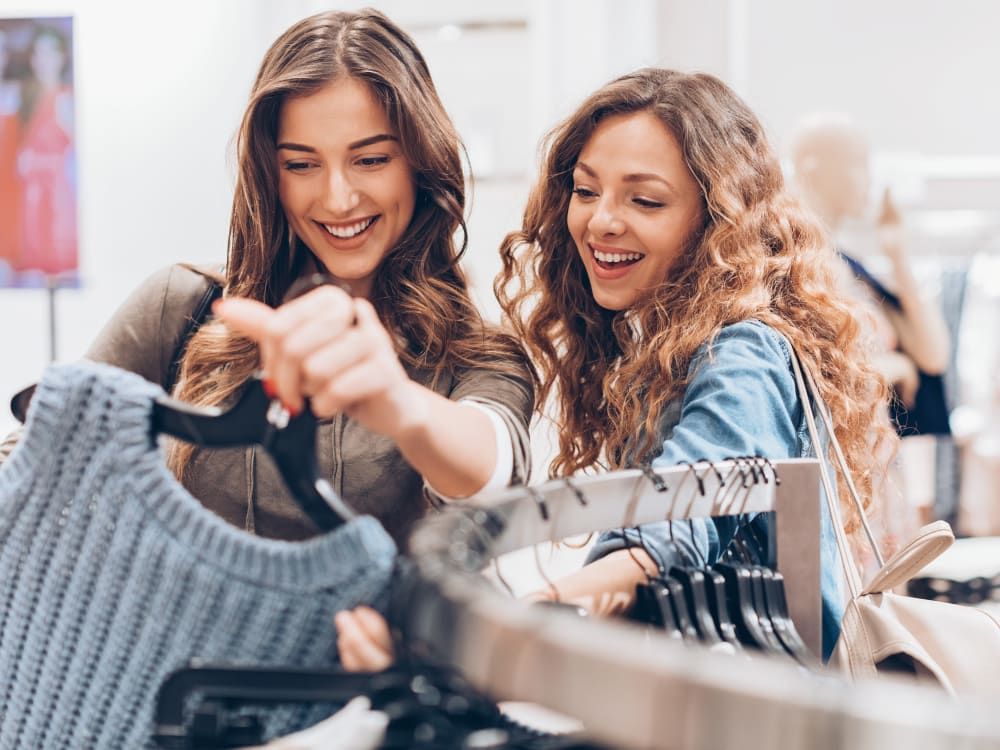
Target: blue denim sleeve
[[740, 401]]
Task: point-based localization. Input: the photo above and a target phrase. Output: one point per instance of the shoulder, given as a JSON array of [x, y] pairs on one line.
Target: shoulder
[[143, 334], [185, 281], [748, 340], [178, 281]]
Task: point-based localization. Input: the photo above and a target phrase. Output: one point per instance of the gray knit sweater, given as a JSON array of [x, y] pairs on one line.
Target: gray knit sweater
[[112, 574]]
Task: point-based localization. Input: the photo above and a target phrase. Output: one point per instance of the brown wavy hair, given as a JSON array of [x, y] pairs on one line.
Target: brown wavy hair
[[756, 254], [420, 292]]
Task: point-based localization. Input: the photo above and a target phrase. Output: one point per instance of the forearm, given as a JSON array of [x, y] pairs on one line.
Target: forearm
[[893, 367], [605, 586], [920, 325], [452, 445]]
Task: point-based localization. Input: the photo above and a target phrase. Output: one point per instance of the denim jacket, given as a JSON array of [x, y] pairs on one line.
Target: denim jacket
[[741, 401]]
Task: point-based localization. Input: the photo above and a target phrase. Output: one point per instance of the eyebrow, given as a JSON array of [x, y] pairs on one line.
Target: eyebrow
[[633, 177], [369, 141]]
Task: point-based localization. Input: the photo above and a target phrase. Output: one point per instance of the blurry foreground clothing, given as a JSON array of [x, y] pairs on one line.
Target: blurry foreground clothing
[[112, 575]]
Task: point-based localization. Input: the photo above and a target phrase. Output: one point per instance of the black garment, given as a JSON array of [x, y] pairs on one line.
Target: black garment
[[929, 415]]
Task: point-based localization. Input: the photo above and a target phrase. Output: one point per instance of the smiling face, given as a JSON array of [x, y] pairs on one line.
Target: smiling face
[[345, 186], [634, 208]]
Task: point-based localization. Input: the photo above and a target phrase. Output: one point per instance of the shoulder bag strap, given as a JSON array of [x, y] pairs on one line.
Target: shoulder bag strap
[[197, 318], [808, 399]]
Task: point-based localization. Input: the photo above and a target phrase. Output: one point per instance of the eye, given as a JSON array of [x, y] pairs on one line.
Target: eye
[[372, 161], [647, 203], [584, 193], [297, 166]]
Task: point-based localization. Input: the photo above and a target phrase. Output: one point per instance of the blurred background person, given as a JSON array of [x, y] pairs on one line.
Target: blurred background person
[[830, 158], [45, 161]]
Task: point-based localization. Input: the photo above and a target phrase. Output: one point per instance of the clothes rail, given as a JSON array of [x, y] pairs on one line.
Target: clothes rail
[[633, 689], [630, 497]]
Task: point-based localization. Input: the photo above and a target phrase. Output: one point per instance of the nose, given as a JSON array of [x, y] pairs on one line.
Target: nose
[[605, 221], [340, 195]]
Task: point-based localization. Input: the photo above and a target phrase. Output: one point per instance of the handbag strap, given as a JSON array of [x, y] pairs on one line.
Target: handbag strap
[[824, 412], [846, 557]]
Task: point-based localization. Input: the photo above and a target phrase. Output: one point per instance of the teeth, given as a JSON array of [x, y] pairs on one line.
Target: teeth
[[351, 230], [616, 257]]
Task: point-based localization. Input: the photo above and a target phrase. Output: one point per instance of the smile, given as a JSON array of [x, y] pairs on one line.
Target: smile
[[609, 258], [349, 231]]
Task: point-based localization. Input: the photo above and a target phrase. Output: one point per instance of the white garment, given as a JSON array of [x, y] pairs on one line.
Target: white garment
[[354, 727], [504, 467]]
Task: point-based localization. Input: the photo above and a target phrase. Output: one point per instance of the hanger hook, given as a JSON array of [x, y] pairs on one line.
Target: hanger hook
[[750, 481], [655, 479], [544, 575], [726, 487], [774, 471], [656, 561], [577, 492], [543, 508]]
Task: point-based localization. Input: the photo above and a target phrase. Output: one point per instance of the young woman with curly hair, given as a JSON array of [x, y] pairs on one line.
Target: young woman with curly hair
[[660, 280]]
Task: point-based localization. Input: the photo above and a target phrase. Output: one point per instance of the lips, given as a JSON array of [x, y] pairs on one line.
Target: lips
[[614, 259], [349, 231]]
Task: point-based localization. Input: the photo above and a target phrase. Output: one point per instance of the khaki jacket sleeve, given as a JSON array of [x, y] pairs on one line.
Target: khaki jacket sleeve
[[513, 398]]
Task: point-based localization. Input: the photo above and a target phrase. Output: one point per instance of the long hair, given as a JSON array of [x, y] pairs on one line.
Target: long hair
[[755, 254], [419, 291]]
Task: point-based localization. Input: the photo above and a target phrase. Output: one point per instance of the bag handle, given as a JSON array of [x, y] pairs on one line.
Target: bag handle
[[846, 557]]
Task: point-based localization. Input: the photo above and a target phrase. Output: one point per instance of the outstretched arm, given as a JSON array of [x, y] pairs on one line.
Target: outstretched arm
[[333, 350], [919, 323]]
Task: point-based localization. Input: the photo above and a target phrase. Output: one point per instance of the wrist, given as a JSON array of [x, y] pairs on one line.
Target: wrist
[[413, 413]]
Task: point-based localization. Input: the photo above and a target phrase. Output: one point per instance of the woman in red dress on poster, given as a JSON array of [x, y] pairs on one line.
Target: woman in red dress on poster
[[46, 163], [10, 182]]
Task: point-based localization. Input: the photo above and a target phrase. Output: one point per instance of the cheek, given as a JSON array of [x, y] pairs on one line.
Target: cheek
[[398, 192], [576, 220], [287, 196]]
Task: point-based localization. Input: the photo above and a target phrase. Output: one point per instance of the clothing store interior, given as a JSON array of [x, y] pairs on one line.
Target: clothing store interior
[[555, 374]]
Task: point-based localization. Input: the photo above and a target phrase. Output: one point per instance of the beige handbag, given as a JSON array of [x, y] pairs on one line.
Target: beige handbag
[[954, 646]]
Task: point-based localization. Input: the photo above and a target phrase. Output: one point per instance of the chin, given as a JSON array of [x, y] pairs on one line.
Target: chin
[[612, 304]]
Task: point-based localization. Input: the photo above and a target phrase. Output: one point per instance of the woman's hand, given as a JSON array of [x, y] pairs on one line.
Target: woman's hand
[[605, 587], [889, 227], [900, 372], [363, 640], [332, 349]]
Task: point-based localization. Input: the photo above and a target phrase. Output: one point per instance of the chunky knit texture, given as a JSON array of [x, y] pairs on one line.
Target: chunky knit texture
[[112, 575]]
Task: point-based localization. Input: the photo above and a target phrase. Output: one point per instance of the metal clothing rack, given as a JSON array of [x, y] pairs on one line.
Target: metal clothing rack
[[632, 689]]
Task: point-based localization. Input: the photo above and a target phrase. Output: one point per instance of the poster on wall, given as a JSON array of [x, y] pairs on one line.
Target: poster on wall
[[38, 186]]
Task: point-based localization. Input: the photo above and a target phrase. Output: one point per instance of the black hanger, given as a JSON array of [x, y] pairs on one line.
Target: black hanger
[[258, 419], [715, 584], [428, 706], [774, 644], [784, 627], [655, 599], [669, 593], [740, 603], [694, 587], [692, 577]]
